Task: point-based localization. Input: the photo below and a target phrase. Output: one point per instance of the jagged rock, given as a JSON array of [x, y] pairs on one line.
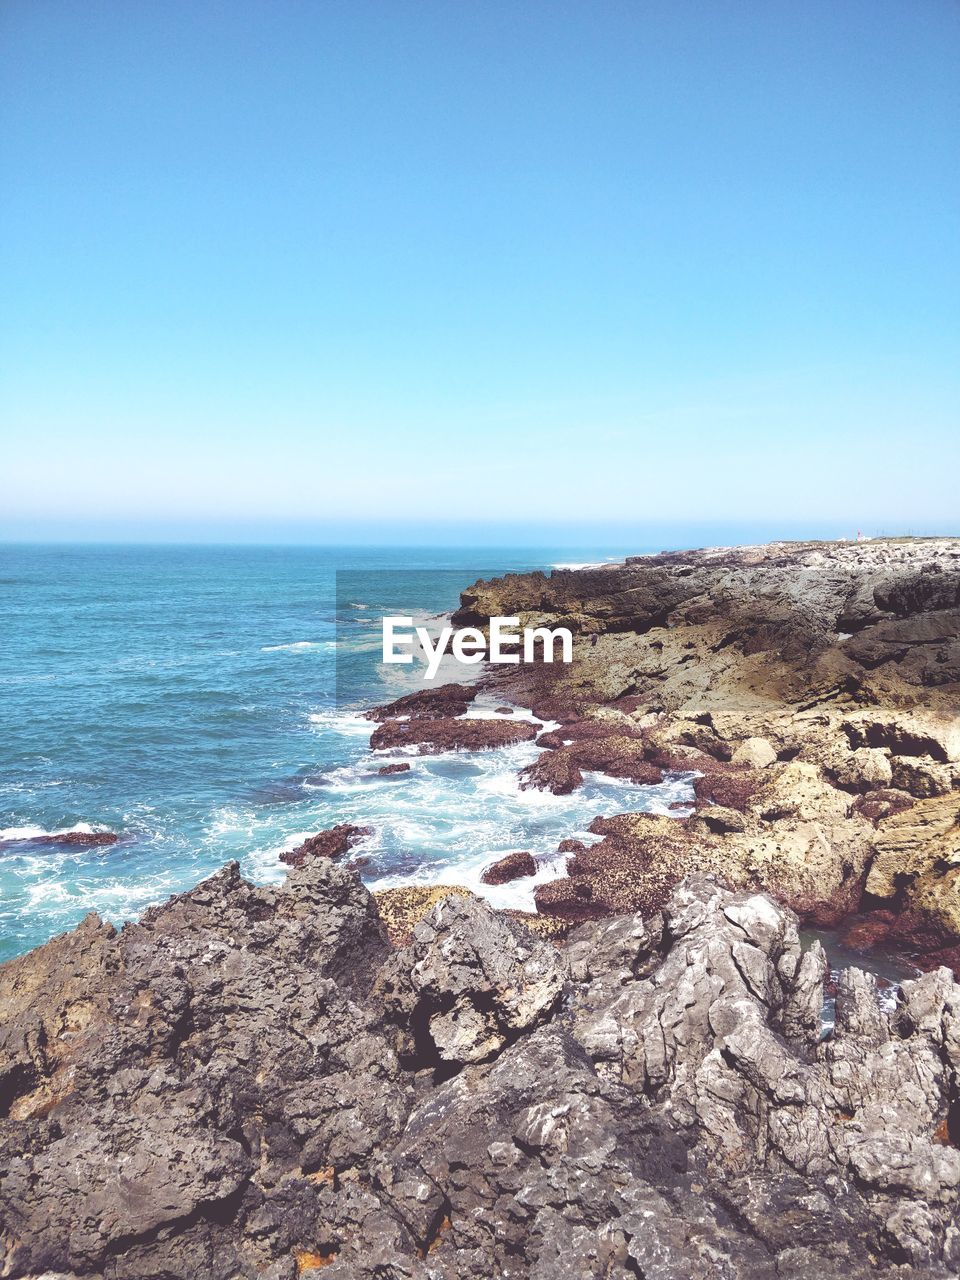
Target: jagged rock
[[552, 771], [215, 1092], [333, 843], [432, 736], [511, 867], [401, 909], [157, 1083], [468, 983], [432, 703], [916, 869], [388, 769]]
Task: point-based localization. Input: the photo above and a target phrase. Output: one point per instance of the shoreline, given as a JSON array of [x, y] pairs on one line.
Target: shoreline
[[305, 1079]]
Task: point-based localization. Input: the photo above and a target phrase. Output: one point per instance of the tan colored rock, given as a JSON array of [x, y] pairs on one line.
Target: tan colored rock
[[906, 734], [402, 909], [865, 769], [923, 777], [917, 867], [755, 752]]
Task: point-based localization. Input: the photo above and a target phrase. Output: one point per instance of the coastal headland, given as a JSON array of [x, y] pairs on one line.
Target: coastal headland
[[308, 1080]]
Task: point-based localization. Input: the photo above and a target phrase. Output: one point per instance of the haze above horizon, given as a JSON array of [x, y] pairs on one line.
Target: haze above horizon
[[287, 271]]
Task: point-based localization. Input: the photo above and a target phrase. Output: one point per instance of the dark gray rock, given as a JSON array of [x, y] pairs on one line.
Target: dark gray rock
[[251, 1083]]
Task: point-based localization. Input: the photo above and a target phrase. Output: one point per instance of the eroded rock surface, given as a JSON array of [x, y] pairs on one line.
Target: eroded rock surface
[[252, 1083], [333, 843], [810, 691], [513, 866], [428, 736]]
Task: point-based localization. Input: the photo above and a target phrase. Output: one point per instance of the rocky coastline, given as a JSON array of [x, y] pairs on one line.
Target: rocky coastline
[[812, 690], [309, 1080]]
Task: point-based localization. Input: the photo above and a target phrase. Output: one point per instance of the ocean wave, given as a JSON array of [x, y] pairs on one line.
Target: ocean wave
[[516, 895], [9, 834], [346, 722], [298, 646]]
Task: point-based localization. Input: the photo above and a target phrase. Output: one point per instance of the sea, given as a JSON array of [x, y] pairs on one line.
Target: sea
[[205, 703]]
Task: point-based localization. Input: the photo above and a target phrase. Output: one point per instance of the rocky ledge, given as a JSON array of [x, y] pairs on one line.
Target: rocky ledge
[[252, 1082], [811, 693]]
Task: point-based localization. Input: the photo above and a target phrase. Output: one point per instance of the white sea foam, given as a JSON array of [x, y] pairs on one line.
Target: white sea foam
[[38, 833], [516, 895], [298, 646], [346, 722]]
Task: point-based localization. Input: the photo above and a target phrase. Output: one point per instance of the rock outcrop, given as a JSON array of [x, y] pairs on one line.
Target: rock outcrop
[[428, 736], [333, 843], [810, 691], [70, 839], [432, 702], [513, 866], [252, 1083]]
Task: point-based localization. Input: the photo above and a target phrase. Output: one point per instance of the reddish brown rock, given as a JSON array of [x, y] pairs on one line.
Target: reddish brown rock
[[333, 843], [431, 737], [862, 933], [730, 786], [584, 731], [85, 839], [389, 769], [882, 803], [444, 700], [560, 709], [570, 846], [511, 867], [553, 771], [571, 900], [617, 755], [594, 748]]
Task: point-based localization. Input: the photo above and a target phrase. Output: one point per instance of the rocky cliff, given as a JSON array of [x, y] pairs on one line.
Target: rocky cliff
[[812, 690], [251, 1082]]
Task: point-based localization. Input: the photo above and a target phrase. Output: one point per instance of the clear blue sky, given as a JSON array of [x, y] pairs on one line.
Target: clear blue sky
[[482, 263]]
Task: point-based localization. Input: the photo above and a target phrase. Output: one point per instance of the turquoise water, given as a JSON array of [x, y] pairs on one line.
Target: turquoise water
[[185, 697]]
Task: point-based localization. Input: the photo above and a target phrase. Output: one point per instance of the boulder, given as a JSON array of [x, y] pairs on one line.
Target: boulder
[[431, 702], [333, 843], [432, 737], [511, 867], [554, 771], [467, 984], [755, 753]]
